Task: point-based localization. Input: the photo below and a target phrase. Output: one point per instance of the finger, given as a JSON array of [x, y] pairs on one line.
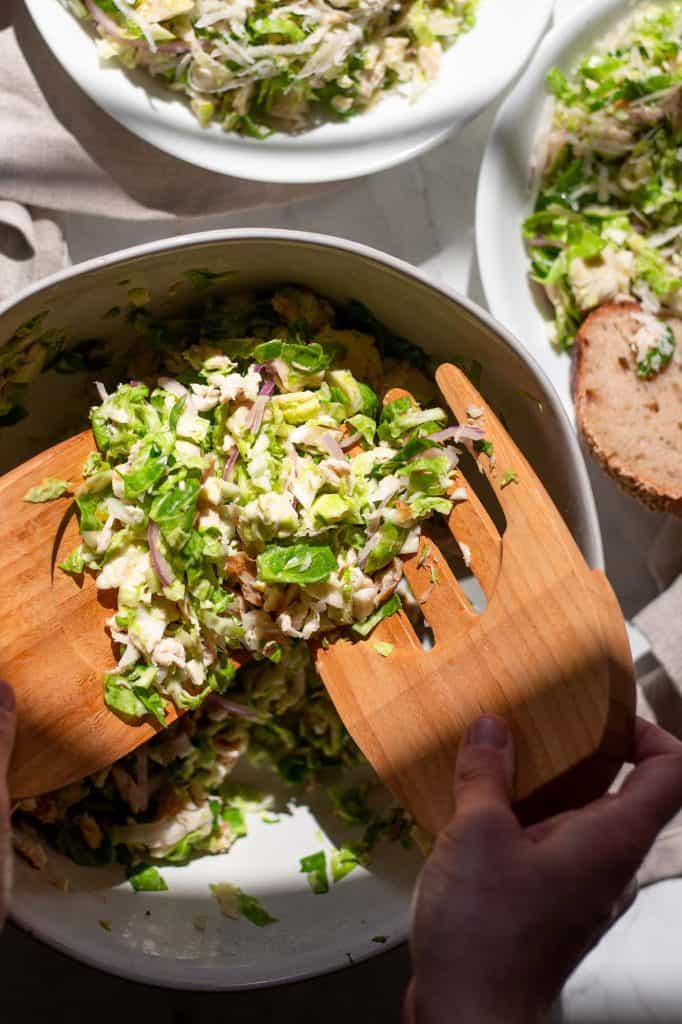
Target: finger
[[652, 741], [485, 769], [652, 792], [409, 1005], [7, 727], [624, 825], [626, 899]]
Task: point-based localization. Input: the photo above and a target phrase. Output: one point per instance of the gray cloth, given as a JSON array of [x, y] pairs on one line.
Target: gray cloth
[[60, 152], [660, 684], [661, 623]]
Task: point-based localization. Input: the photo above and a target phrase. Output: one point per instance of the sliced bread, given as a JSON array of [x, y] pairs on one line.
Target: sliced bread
[[632, 426]]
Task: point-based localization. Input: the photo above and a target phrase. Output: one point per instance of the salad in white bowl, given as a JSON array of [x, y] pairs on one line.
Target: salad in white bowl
[[247, 508], [246, 844]]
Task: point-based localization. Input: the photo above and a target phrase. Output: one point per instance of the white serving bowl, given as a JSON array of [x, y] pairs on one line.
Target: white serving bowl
[[505, 194], [315, 933], [475, 70]]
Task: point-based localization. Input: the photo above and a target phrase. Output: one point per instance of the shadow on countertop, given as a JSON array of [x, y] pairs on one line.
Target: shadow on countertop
[[39, 984]]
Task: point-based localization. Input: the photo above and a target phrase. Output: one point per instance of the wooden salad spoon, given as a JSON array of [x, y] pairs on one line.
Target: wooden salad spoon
[[550, 652], [55, 649]]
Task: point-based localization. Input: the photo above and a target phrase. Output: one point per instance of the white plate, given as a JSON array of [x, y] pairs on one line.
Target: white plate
[[152, 937], [505, 198], [475, 70]]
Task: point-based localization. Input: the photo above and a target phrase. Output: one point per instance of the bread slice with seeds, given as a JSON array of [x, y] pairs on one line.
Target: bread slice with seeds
[[627, 387]]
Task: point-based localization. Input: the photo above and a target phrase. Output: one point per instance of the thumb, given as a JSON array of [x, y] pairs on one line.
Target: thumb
[[485, 769], [7, 727]]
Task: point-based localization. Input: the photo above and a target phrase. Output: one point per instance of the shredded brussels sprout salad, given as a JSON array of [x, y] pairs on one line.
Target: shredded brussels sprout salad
[[607, 224], [250, 501], [255, 66]]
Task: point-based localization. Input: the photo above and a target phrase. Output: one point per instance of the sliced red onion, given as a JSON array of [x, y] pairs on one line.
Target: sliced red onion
[[332, 446], [364, 553], [540, 240], [452, 455], [374, 521], [257, 414], [173, 387], [161, 566], [268, 373], [230, 463], [465, 431], [348, 442], [449, 434], [279, 369], [113, 29], [232, 707], [471, 432]]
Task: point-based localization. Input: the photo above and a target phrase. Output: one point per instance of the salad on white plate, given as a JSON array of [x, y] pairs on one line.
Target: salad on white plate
[[259, 66], [584, 152], [270, 94], [607, 219]]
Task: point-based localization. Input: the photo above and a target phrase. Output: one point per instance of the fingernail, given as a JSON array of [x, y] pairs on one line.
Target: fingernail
[[488, 731], [6, 696]]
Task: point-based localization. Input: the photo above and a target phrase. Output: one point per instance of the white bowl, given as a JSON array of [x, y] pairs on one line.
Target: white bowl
[[315, 933], [505, 197], [475, 70]]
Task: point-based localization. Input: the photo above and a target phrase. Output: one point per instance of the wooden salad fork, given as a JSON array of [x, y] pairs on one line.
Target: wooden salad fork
[[549, 654]]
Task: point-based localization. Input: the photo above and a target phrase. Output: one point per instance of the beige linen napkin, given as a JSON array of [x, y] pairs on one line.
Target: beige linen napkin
[[661, 686], [60, 152]]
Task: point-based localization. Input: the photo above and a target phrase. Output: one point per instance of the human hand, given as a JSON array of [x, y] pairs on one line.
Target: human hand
[[7, 726], [503, 914]]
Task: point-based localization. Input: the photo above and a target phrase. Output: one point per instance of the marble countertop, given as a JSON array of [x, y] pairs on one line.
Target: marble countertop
[[422, 212]]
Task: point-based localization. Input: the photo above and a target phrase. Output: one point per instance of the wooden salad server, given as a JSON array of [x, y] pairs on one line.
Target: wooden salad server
[[55, 650], [549, 654]]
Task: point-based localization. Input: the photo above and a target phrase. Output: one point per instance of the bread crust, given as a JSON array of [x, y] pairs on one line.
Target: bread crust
[[600, 338]]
